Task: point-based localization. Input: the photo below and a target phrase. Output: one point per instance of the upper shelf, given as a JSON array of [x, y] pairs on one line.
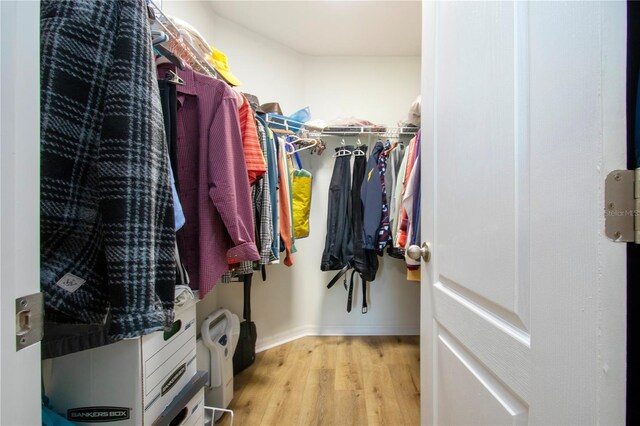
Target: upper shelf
[[296, 126]]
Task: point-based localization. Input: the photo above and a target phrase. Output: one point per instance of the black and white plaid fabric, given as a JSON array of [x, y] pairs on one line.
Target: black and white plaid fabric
[[107, 226]]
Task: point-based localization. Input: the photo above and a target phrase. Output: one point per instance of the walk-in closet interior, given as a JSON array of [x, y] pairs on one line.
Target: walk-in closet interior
[[339, 60], [271, 112], [317, 212]]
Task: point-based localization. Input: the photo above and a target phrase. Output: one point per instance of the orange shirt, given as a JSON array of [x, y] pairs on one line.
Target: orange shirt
[[256, 165], [286, 228]]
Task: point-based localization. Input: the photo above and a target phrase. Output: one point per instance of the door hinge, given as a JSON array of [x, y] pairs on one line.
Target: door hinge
[[622, 206], [29, 320]]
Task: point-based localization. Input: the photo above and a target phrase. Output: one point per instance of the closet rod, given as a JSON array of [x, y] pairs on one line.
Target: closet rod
[[174, 34]]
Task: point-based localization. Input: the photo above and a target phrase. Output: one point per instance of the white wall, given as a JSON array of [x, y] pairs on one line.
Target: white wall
[[267, 69], [271, 71], [295, 301], [379, 89]]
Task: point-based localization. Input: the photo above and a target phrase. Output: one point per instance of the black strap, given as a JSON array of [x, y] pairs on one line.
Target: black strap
[[340, 273], [350, 296], [246, 313], [365, 308]]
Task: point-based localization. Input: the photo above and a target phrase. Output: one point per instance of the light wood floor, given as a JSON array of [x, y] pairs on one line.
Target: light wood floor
[[368, 380]]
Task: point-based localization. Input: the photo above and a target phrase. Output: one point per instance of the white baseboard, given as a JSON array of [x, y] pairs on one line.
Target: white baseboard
[[278, 339]]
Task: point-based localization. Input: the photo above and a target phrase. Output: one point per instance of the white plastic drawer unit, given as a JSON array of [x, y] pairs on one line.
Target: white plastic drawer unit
[[128, 382]]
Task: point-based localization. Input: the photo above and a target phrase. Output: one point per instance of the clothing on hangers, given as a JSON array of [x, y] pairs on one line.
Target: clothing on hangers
[[254, 160], [284, 204], [274, 183], [402, 221], [411, 204], [261, 196], [384, 231], [338, 247], [396, 207], [371, 195], [219, 229], [394, 161], [364, 262]]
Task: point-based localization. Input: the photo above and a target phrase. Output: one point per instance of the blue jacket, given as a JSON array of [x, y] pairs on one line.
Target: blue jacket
[[371, 196]]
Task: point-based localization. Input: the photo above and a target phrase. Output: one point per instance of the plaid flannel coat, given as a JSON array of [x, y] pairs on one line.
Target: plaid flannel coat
[[107, 226]]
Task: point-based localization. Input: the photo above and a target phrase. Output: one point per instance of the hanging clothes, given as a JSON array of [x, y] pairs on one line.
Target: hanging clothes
[[107, 222], [365, 262], [254, 160], [384, 231], [396, 209], [411, 203], [402, 216], [371, 195], [288, 170], [284, 200], [394, 164], [261, 198], [256, 168], [338, 247], [272, 177], [169, 102], [301, 195], [274, 185], [214, 186]]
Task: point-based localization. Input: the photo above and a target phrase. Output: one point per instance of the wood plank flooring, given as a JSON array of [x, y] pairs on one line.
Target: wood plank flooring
[[327, 380]]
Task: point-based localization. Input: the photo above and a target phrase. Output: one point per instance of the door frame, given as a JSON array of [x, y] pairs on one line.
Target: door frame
[[19, 204]]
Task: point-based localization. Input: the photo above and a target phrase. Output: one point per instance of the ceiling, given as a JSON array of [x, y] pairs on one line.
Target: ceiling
[[332, 28]]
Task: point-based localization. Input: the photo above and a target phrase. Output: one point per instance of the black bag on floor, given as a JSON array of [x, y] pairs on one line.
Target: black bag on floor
[[245, 353]]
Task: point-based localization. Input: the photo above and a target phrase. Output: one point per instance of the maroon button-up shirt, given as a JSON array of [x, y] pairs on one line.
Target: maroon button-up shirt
[[212, 177]]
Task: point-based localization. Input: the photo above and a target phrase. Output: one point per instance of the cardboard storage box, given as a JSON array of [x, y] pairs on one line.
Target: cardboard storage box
[[187, 408], [195, 410], [128, 382]]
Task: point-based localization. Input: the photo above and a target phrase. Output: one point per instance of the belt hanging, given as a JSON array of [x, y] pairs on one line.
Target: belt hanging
[[365, 308], [350, 296], [342, 271]]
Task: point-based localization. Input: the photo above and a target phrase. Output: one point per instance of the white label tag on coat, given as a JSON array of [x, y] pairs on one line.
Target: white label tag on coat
[[70, 282]]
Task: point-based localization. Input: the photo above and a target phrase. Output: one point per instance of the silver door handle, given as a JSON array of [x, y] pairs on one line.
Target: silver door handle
[[416, 252]]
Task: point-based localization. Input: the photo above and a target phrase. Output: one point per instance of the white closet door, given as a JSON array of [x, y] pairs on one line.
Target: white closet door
[[19, 204], [523, 302]]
